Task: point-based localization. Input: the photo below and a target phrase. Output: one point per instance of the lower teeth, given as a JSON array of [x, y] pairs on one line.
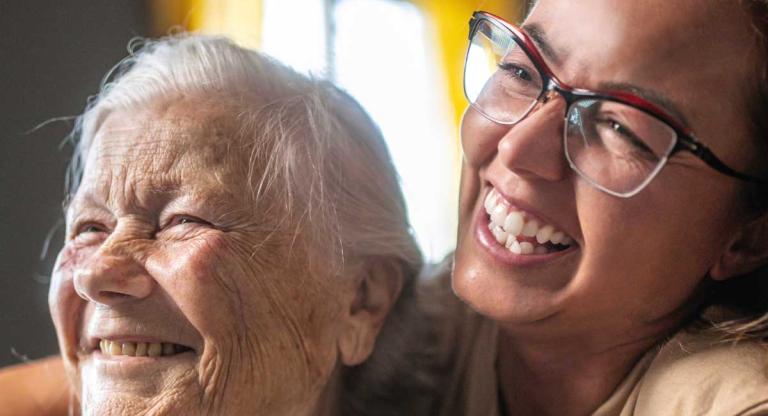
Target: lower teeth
[[522, 247]]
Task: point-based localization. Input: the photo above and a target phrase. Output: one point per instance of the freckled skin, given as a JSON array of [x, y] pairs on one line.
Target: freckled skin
[[264, 332]]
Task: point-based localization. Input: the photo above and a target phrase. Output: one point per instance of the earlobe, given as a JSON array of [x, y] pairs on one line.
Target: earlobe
[[377, 291], [746, 251]]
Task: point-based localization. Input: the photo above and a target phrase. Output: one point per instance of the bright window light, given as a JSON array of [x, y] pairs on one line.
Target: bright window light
[[295, 33], [382, 58]]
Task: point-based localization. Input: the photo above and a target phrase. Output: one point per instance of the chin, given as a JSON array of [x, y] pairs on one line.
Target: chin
[[106, 403], [505, 285], [504, 293], [498, 297], [162, 393]]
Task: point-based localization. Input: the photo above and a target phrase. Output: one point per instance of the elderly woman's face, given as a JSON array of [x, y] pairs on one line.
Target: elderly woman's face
[[175, 293], [634, 261]]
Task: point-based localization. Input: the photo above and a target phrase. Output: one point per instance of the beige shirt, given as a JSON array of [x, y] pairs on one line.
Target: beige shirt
[[691, 374], [695, 374]]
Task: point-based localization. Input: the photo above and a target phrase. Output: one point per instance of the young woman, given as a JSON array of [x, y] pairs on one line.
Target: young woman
[[612, 213]]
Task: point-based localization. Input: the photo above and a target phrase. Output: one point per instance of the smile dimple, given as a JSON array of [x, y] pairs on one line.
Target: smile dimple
[[518, 232], [140, 349]]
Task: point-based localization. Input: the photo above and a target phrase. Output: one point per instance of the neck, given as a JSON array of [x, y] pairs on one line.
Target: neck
[[328, 404], [571, 375], [553, 368]]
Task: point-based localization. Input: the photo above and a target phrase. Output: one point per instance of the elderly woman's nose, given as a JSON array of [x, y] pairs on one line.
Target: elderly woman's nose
[[112, 277], [534, 147]]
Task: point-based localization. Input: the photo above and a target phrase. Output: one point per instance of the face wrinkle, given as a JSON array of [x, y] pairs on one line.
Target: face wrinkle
[[222, 377]]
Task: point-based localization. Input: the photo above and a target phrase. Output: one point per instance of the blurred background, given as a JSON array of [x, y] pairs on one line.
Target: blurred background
[[402, 59]]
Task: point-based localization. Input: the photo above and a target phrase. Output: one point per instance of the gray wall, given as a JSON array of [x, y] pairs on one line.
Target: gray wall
[[53, 55]]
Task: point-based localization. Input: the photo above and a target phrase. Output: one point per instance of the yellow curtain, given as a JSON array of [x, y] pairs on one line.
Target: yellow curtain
[[450, 23], [241, 20]]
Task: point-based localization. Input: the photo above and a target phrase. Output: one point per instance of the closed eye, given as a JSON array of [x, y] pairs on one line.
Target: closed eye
[[90, 227], [516, 71], [627, 134], [184, 219], [90, 232]]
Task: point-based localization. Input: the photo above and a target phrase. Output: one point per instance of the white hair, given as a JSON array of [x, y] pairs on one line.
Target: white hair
[[295, 124], [313, 148]]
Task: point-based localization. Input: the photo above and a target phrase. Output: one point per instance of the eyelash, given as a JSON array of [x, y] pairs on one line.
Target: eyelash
[[516, 71], [88, 232], [92, 227], [183, 219]]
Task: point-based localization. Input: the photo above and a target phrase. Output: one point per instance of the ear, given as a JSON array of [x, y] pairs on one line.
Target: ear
[[378, 288], [746, 251]]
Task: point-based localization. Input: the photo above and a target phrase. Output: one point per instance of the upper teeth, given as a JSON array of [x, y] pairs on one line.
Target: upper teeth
[[507, 224], [137, 349]]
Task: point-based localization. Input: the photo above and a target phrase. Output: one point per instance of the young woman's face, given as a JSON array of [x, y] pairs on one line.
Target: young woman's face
[[632, 262]]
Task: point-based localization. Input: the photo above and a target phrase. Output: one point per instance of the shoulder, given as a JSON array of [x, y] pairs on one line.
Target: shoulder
[[695, 373], [35, 388]]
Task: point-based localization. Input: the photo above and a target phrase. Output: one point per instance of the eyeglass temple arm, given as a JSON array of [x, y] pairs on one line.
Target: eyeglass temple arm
[[703, 153]]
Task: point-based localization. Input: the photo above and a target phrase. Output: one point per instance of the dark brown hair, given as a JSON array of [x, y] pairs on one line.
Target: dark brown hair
[[748, 295]]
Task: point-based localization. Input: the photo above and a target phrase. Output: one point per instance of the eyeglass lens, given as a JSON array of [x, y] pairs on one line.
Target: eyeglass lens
[[613, 145]]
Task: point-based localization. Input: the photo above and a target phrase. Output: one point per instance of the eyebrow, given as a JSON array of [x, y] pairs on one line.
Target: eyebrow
[[540, 39], [650, 95]]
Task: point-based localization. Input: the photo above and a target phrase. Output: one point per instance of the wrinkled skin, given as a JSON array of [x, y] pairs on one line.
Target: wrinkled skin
[[163, 242], [640, 261]]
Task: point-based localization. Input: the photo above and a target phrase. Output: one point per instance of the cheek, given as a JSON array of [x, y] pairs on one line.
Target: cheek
[[469, 190], [66, 307], [263, 327], [221, 289], [63, 301], [209, 283], [648, 253], [479, 141], [479, 138]]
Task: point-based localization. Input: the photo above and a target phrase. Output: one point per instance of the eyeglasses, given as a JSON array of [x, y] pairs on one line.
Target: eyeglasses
[[617, 141]]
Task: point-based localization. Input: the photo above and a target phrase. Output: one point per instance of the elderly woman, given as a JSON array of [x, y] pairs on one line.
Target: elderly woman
[[613, 215], [235, 240]]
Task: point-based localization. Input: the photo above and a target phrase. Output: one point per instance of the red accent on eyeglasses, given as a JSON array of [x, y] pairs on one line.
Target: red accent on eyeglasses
[[621, 96]]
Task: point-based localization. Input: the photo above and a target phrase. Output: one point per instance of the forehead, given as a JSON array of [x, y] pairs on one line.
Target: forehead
[[698, 54], [645, 33], [164, 148]]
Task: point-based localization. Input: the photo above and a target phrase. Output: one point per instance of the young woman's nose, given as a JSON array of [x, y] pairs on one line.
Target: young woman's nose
[[113, 276], [534, 146]]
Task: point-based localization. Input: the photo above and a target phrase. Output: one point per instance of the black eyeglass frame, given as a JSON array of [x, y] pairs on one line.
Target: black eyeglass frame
[[685, 139]]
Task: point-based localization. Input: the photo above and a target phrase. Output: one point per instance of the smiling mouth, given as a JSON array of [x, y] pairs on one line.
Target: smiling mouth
[[519, 232], [140, 349]]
